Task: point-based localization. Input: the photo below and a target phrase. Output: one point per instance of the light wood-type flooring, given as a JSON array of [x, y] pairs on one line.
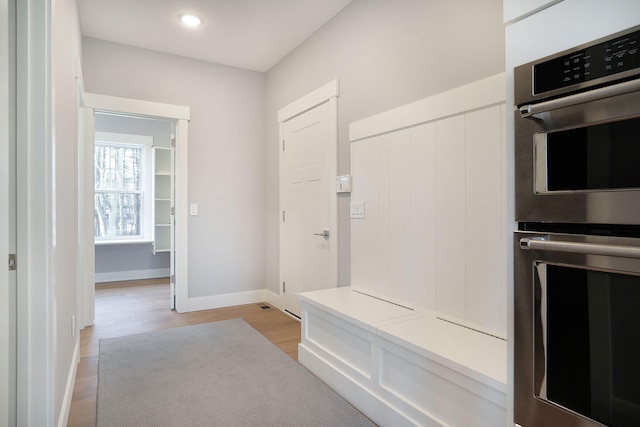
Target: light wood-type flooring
[[127, 308]]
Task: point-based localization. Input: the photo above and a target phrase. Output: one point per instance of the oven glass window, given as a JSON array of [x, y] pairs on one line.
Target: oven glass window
[[599, 157], [593, 344]]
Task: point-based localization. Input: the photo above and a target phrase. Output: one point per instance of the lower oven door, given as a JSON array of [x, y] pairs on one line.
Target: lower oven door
[[577, 330]]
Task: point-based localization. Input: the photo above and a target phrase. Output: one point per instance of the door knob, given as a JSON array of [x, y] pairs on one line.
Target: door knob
[[325, 233]]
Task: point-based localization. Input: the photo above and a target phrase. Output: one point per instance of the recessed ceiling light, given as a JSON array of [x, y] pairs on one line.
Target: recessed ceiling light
[[190, 20]]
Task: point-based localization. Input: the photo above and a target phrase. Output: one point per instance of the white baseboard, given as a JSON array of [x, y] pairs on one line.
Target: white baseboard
[[225, 300], [273, 299], [63, 419], [119, 276]]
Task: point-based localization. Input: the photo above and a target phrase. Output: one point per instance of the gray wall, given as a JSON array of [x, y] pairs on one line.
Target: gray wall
[[132, 257], [66, 54], [385, 53], [226, 165]]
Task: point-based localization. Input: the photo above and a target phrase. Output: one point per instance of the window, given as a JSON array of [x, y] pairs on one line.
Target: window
[[122, 188]]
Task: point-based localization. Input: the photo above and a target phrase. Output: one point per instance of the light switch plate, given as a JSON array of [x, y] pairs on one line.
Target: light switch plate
[[193, 209], [357, 210]]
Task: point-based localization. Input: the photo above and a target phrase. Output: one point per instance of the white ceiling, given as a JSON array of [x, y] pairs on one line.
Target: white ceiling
[[250, 34]]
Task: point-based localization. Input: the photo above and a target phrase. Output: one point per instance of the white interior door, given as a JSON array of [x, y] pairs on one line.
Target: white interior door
[[309, 214]]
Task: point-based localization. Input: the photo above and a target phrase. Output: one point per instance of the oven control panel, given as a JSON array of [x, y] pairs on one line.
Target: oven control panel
[[601, 60]]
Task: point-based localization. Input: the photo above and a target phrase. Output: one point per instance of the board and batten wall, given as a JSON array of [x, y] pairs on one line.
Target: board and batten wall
[[432, 175]]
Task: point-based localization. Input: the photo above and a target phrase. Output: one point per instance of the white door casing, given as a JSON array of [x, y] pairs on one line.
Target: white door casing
[[308, 166], [179, 242], [7, 223]]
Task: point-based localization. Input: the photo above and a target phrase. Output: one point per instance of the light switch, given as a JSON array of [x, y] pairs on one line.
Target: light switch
[[357, 210], [193, 209]]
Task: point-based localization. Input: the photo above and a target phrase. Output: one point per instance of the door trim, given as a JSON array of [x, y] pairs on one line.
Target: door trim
[[181, 115], [7, 216], [310, 100], [35, 220], [326, 93]]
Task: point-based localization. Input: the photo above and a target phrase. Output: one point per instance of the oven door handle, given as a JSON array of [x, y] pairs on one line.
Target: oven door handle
[[542, 244], [580, 98]]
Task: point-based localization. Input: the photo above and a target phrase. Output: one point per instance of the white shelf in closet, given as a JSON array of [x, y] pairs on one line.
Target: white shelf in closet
[[163, 200]]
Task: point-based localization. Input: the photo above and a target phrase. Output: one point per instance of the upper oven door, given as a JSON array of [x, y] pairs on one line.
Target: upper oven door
[[578, 158]]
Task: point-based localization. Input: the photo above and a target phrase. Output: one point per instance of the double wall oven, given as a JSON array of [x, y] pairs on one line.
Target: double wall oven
[[577, 248]]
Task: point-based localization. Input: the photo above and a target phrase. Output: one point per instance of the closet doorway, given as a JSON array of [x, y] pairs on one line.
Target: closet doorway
[[137, 231]]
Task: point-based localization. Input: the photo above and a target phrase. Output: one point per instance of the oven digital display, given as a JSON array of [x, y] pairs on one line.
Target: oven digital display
[[601, 60]]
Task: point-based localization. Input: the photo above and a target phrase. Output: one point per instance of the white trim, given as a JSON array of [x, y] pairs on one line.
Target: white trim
[[181, 218], [480, 94], [123, 138], [225, 300], [136, 106], [136, 241], [308, 101], [119, 276], [7, 227], [181, 114], [273, 299], [68, 391], [86, 297], [36, 221]]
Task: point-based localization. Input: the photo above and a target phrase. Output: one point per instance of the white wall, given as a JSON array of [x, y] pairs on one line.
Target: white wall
[[226, 154], [385, 54], [66, 61]]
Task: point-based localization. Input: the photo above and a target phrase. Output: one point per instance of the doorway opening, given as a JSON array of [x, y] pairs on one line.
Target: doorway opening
[[166, 226], [133, 198]]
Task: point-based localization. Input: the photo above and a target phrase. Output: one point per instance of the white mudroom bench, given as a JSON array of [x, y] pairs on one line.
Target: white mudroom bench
[[403, 366]]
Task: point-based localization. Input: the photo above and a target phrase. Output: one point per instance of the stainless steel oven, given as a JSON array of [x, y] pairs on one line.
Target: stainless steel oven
[[578, 134], [577, 251], [577, 321]]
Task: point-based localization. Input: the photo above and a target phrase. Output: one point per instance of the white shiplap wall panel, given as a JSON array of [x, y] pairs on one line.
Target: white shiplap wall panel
[[400, 214], [383, 225], [484, 218], [450, 216], [365, 233], [422, 252]]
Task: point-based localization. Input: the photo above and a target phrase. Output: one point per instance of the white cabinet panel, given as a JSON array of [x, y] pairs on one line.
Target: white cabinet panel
[[450, 216], [422, 289], [484, 218]]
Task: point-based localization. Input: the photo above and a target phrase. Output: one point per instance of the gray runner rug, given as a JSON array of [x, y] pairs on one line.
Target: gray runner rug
[[214, 374]]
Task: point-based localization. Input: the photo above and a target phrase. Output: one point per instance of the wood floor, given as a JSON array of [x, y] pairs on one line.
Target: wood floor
[[127, 308]]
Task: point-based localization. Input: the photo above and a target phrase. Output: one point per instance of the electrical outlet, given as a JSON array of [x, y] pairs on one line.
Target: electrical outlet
[[73, 326]]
